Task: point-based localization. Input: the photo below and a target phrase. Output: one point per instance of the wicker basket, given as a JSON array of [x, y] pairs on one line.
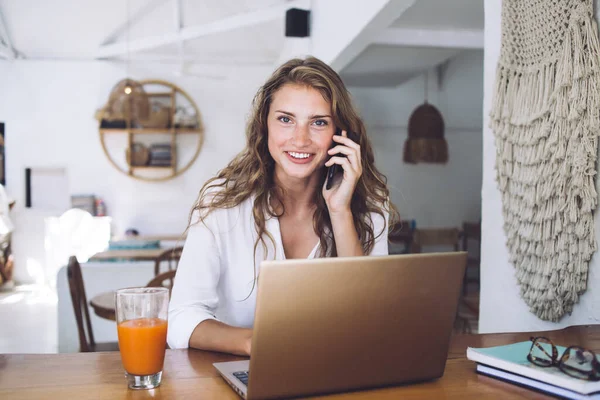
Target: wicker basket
[[138, 155], [157, 119]]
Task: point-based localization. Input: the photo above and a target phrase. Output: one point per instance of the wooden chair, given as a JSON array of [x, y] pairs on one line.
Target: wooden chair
[[471, 232], [166, 279], [439, 237], [402, 232], [170, 257], [82, 313], [444, 239]]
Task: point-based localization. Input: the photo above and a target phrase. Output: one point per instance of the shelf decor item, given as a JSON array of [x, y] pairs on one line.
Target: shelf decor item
[[160, 155], [158, 118], [137, 155], [545, 116], [146, 118]]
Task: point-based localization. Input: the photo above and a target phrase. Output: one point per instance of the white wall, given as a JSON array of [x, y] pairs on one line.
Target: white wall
[[441, 195], [48, 108], [501, 308]]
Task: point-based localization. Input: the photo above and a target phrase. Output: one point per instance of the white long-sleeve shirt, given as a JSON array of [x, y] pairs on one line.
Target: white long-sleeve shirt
[[215, 274]]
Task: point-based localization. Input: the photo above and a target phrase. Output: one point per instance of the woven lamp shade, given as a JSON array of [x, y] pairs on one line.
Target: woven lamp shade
[[426, 142], [133, 106]]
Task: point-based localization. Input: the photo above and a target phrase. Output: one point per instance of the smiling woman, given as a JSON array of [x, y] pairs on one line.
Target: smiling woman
[[300, 132], [271, 202]]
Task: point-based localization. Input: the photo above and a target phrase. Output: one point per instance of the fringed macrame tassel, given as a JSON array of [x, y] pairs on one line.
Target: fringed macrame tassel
[[546, 122]]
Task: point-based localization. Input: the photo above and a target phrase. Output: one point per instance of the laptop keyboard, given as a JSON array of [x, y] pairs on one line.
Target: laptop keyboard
[[242, 376]]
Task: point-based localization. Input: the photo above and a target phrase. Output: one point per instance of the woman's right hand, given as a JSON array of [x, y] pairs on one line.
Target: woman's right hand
[[213, 335], [248, 345]]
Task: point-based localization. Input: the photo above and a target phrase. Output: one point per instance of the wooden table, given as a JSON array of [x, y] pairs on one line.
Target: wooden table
[[190, 374], [129, 255], [161, 238], [103, 305]]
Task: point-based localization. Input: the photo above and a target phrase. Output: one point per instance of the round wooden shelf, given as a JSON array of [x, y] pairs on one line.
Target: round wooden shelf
[[168, 95]]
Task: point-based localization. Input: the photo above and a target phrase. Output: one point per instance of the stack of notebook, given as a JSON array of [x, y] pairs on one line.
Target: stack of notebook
[[160, 155], [84, 202], [510, 364]]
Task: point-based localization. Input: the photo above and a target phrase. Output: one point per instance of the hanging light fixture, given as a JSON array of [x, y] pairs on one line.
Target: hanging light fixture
[[128, 101], [134, 105], [127, 89], [426, 142]]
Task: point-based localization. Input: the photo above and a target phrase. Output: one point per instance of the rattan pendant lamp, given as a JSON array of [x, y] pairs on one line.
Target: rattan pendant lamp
[[128, 99], [426, 142]]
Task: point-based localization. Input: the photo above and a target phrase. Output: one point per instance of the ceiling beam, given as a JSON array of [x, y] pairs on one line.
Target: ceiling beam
[[223, 25], [134, 19], [6, 47], [447, 38], [340, 32], [6, 53]]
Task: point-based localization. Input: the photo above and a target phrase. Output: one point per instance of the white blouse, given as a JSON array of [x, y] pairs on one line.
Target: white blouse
[[216, 272]]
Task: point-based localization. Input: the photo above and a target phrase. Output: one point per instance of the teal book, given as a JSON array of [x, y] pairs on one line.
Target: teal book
[[510, 363]]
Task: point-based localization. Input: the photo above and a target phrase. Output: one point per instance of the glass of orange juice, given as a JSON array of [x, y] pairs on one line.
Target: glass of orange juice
[[142, 330]]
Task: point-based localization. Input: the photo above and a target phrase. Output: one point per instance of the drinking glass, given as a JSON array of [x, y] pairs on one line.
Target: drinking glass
[[142, 331]]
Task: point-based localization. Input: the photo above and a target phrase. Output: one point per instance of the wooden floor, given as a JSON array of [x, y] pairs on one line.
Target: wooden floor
[[28, 316], [468, 311]]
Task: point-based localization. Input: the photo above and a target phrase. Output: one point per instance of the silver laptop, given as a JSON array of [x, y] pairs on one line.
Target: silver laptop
[[336, 324]]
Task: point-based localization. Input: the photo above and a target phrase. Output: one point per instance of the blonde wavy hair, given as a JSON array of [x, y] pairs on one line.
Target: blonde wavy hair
[[251, 172]]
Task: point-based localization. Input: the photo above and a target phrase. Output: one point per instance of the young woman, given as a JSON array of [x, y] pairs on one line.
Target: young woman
[[272, 202]]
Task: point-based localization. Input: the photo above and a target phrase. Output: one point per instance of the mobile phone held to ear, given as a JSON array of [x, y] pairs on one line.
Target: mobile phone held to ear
[[335, 168]]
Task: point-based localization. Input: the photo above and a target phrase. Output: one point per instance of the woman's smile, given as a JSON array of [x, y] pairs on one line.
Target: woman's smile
[[300, 158]]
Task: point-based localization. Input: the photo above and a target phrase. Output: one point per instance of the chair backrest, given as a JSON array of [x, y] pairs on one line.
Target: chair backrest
[[470, 231], [401, 230], [170, 257], [402, 233], [436, 237], [80, 307], [166, 279]]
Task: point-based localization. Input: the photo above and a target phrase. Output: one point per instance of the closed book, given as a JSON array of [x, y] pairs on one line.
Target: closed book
[[534, 384], [512, 359]]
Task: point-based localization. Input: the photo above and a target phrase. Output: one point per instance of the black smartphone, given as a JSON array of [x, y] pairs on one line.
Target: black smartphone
[[335, 169]]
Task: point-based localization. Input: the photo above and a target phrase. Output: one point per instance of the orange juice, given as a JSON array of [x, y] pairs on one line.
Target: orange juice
[[142, 344]]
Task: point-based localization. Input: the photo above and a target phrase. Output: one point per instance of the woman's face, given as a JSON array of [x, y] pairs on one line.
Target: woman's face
[[300, 131]]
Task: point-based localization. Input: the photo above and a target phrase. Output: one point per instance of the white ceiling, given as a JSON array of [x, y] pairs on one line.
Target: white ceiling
[[379, 65], [444, 14], [75, 29], [433, 20], [68, 29]]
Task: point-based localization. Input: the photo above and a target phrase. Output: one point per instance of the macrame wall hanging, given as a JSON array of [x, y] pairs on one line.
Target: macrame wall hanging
[[545, 118], [426, 142]]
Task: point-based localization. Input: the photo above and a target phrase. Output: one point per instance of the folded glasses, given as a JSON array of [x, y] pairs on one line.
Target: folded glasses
[[575, 361]]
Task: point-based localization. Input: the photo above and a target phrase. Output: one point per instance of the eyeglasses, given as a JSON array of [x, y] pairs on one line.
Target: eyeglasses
[[575, 361]]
